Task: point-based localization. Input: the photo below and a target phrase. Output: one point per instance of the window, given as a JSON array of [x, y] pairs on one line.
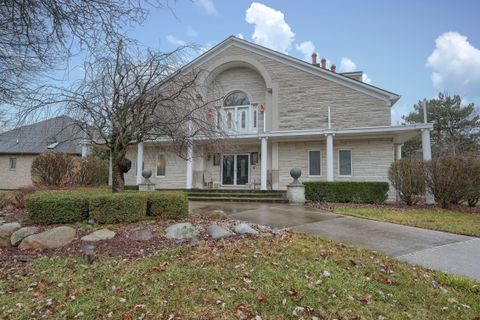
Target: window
[[314, 163], [236, 98], [13, 163], [345, 162], [255, 118], [161, 163]]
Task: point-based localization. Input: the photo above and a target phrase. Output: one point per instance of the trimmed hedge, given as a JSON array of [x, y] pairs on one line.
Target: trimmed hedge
[[168, 204], [353, 192], [48, 207], [57, 207], [118, 207]]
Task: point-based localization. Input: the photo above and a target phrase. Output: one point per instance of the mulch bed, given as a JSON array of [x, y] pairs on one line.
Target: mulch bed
[[122, 245], [394, 206]]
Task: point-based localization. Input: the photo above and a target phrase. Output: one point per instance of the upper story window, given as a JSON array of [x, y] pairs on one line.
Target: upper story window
[[237, 114]]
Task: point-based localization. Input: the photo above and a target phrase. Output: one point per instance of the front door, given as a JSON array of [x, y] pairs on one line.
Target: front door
[[235, 169]]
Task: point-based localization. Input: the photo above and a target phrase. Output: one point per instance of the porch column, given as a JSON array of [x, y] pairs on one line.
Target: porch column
[[329, 156], [427, 156], [139, 162], [398, 151], [263, 165], [189, 182]]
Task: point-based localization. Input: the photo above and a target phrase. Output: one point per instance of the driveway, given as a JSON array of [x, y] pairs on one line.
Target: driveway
[[433, 249]]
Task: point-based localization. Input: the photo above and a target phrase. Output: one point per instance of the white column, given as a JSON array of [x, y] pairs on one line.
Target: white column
[[139, 162], [426, 148], [398, 151], [263, 165], [275, 165], [329, 156], [84, 150], [189, 182], [427, 156]]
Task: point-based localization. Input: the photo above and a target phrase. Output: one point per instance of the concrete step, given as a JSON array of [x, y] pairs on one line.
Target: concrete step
[[239, 199], [237, 194]]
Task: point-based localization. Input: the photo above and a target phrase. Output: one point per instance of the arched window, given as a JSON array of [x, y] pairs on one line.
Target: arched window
[[236, 98]]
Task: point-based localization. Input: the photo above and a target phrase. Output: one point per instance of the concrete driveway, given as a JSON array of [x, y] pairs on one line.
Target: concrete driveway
[[433, 249]]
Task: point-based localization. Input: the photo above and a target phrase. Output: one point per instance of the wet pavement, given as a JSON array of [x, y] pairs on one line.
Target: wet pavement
[[434, 249]]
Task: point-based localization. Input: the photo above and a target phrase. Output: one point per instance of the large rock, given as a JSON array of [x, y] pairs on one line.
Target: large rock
[[102, 234], [141, 235], [21, 234], [181, 231], [218, 232], [6, 230], [244, 228], [53, 238]]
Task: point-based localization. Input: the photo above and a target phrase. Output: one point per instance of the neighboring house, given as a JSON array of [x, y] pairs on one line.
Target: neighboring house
[[281, 113], [18, 148]]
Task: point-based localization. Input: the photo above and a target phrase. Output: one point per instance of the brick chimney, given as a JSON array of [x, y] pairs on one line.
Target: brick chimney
[[314, 59], [333, 68], [324, 63]]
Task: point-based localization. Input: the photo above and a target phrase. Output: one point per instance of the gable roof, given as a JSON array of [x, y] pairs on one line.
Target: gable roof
[[339, 78], [60, 134]]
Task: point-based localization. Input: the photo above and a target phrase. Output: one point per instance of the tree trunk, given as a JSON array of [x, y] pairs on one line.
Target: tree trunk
[[118, 179]]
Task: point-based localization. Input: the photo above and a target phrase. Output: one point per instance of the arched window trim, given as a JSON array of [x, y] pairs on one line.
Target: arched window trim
[[242, 103]]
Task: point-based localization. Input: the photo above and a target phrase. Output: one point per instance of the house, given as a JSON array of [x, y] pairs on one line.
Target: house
[[282, 112], [18, 148]]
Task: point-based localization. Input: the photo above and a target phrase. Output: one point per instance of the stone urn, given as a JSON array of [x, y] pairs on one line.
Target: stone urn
[[295, 173], [146, 174], [296, 190]]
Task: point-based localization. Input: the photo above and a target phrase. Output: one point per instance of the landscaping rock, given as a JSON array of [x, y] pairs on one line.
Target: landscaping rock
[[181, 231], [220, 213], [141, 235], [6, 230], [53, 238], [244, 228], [218, 232], [21, 234], [102, 234]]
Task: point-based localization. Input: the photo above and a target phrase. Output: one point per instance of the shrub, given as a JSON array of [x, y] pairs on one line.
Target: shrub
[[52, 169], [448, 179], [354, 192], [118, 207], [91, 171], [57, 207], [472, 195], [408, 177], [168, 205]]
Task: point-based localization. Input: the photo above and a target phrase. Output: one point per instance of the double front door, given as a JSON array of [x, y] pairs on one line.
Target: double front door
[[235, 169]]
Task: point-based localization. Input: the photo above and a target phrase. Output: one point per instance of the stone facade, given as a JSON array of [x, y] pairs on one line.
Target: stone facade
[[20, 177]]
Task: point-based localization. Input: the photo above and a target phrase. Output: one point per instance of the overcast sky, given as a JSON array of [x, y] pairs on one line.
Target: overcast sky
[[414, 48]]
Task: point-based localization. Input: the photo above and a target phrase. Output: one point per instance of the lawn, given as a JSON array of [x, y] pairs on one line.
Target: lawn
[[435, 219], [287, 276]]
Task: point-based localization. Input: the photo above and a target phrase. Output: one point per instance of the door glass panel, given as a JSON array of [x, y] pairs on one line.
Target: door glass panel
[[228, 170], [242, 169]]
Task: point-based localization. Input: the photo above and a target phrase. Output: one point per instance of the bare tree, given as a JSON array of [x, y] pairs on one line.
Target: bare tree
[[39, 35], [131, 95]]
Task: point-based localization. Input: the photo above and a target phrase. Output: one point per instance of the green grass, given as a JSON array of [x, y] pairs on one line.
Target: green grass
[[272, 277], [435, 219]]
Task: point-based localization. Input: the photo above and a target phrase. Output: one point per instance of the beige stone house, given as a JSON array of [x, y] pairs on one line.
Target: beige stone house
[[18, 148], [282, 112]]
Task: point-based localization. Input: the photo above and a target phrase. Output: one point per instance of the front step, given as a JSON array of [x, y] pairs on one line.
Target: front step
[[232, 199], [268, 196]]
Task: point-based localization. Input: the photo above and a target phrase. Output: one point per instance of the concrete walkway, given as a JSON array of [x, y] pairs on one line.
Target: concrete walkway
[[433, 249]]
